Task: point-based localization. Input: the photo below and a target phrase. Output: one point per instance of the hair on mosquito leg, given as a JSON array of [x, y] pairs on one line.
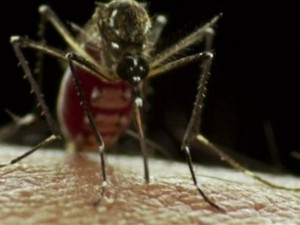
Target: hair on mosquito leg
[[41, 103], [195, 121], [34, 87]]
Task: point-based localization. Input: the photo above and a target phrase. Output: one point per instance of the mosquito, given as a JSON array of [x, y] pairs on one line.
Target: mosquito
[[102, 88]]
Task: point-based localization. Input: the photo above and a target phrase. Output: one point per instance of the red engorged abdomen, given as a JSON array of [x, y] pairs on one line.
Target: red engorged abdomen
[[110, 103]]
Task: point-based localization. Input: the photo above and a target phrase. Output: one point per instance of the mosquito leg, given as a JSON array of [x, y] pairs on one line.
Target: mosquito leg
[[80, 62], [10, 129], [38, 71], [193, 127], [195, 121], [34, 87], [192, 39], [205, 33], [45, 142], [90, 66], [38, 68], [48, 14], [22, 42], [158, 25], [87, 110], [206, 58], [201, 192], [39, 65], [138, 105], [41, 103], [178, 63], [201, 139]]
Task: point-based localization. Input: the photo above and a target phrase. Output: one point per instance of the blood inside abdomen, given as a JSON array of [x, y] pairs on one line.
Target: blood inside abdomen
[[110, 104]]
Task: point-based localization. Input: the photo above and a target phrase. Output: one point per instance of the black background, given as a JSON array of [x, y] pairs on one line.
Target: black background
[[254, 75]]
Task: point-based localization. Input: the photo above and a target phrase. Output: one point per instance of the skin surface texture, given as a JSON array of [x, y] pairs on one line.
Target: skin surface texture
[[53, 187]]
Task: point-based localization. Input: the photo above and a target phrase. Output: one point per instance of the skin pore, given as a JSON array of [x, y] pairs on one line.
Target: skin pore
[[52, 187]]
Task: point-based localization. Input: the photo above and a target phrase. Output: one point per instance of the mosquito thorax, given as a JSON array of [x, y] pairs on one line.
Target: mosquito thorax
[[124, 27], [125, 23]]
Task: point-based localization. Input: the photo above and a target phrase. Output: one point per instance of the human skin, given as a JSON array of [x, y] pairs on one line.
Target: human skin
[[52, 187]]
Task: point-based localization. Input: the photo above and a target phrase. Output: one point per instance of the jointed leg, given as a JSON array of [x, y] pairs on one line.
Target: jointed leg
[[192, 39], [48, 14], [35, 88], [41, 103], [178, 63], [192, 131], [211, 147], [195, 120], [205, 33], [86, 108], [80, 61], [193, 128], [45, 142]]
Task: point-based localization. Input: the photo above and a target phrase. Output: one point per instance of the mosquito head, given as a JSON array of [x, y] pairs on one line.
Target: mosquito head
[[133, 68], [124, 28]]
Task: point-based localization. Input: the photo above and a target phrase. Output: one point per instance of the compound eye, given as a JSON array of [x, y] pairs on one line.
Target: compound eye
[[132, 68]]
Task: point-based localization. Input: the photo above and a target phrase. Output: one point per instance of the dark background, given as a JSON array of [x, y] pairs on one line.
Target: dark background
[[253, 84]]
